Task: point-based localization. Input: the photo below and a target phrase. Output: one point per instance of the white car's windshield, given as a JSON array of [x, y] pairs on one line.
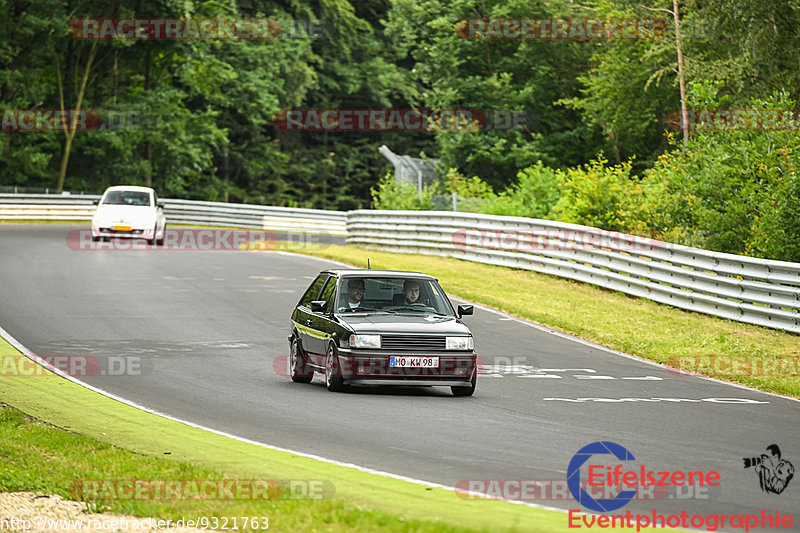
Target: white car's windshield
[[127, 198], [392, 295]]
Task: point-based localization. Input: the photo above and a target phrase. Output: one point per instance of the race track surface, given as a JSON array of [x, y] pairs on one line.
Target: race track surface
[[205, 328]]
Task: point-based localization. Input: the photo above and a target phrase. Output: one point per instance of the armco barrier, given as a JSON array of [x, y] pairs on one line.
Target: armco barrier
[[746, 289], [189, 212]]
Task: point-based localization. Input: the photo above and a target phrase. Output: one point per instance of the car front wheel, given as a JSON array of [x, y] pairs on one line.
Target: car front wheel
[[333, 371], [299, 370], [467, 390], [160, 242]]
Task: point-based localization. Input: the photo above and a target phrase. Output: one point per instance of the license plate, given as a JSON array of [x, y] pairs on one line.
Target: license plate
[[121, 228], [413, 362]]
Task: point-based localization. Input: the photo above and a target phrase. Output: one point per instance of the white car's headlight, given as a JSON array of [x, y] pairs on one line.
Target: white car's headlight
[[458, 343], [365, 341]]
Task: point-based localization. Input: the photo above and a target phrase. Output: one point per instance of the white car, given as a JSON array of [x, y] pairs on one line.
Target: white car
[[131, 212]]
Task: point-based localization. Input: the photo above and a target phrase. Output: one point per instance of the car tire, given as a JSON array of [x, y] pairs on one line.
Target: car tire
[[95, 239], [152, 242], [298, 364], [333, 374], [160, 242], [467, 390]]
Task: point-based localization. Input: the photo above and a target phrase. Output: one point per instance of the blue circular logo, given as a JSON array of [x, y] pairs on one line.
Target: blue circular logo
[[574, 476]]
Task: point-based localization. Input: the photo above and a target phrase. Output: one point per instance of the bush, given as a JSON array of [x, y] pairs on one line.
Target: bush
[[388, 194], [733, 191], [601, 196], [534, 194], [473, 187]]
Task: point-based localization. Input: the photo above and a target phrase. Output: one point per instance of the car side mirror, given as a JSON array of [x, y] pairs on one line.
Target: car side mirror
[[465, 310], [96, 202], [160, 205], [318, 306]]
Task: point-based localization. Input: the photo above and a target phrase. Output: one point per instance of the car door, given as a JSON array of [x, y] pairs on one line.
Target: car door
[[303, 317], [321, 327]]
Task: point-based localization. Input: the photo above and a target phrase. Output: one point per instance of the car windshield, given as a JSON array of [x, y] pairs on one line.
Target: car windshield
[[127, 198], [392, 295]]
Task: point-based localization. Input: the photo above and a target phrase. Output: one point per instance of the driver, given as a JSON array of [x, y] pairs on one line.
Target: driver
[[355, 293], [410, 292]]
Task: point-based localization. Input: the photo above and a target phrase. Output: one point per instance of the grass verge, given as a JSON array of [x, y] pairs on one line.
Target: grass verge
[[97, 438], [758, 357]]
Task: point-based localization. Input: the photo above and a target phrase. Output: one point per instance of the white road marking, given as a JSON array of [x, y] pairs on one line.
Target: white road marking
[[747, 401], [30, 355], [606, 349]]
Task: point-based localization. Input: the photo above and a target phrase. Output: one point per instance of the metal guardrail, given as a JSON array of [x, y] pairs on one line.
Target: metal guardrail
[[189, 212], [745, 289]]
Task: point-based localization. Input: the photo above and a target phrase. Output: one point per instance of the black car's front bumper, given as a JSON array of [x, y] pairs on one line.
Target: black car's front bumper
[[372, 368]]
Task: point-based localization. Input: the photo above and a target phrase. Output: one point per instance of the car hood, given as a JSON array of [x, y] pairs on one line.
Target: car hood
[[406, 323], [125, 213]]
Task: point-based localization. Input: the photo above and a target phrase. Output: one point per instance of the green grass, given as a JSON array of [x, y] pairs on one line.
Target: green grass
[[636, 326], [40, 458], [97, 438]]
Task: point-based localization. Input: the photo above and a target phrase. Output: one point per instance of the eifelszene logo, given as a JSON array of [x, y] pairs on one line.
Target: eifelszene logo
[[774, 473], [616, 476], [574, 476]]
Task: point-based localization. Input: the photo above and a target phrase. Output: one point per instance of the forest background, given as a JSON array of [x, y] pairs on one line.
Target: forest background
[[600, 143]]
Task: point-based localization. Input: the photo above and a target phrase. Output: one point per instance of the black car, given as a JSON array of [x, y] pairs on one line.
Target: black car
[[381, 327]]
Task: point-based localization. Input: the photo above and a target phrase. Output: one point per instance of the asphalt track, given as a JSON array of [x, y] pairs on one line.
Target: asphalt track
[[201, 331]]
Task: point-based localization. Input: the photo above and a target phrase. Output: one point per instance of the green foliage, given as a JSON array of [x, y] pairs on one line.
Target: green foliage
[[732, 191], [776, 229], [388, 194], [598, 195], [534, 194], [205, 107], [473, 187], [207, 110], [495, 75]]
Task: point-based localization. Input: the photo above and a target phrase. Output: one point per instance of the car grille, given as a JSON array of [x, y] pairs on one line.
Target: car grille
[[378, 367], [412, 342]]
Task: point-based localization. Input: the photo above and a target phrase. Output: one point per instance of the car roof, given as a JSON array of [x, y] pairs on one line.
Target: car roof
[[372, 272], [130, 188]]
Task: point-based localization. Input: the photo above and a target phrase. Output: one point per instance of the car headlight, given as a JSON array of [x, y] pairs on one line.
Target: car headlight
[[458, 343], [365, 341]]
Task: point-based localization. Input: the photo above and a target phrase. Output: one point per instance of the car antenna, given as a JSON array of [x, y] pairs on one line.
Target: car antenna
[[368, 263]]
